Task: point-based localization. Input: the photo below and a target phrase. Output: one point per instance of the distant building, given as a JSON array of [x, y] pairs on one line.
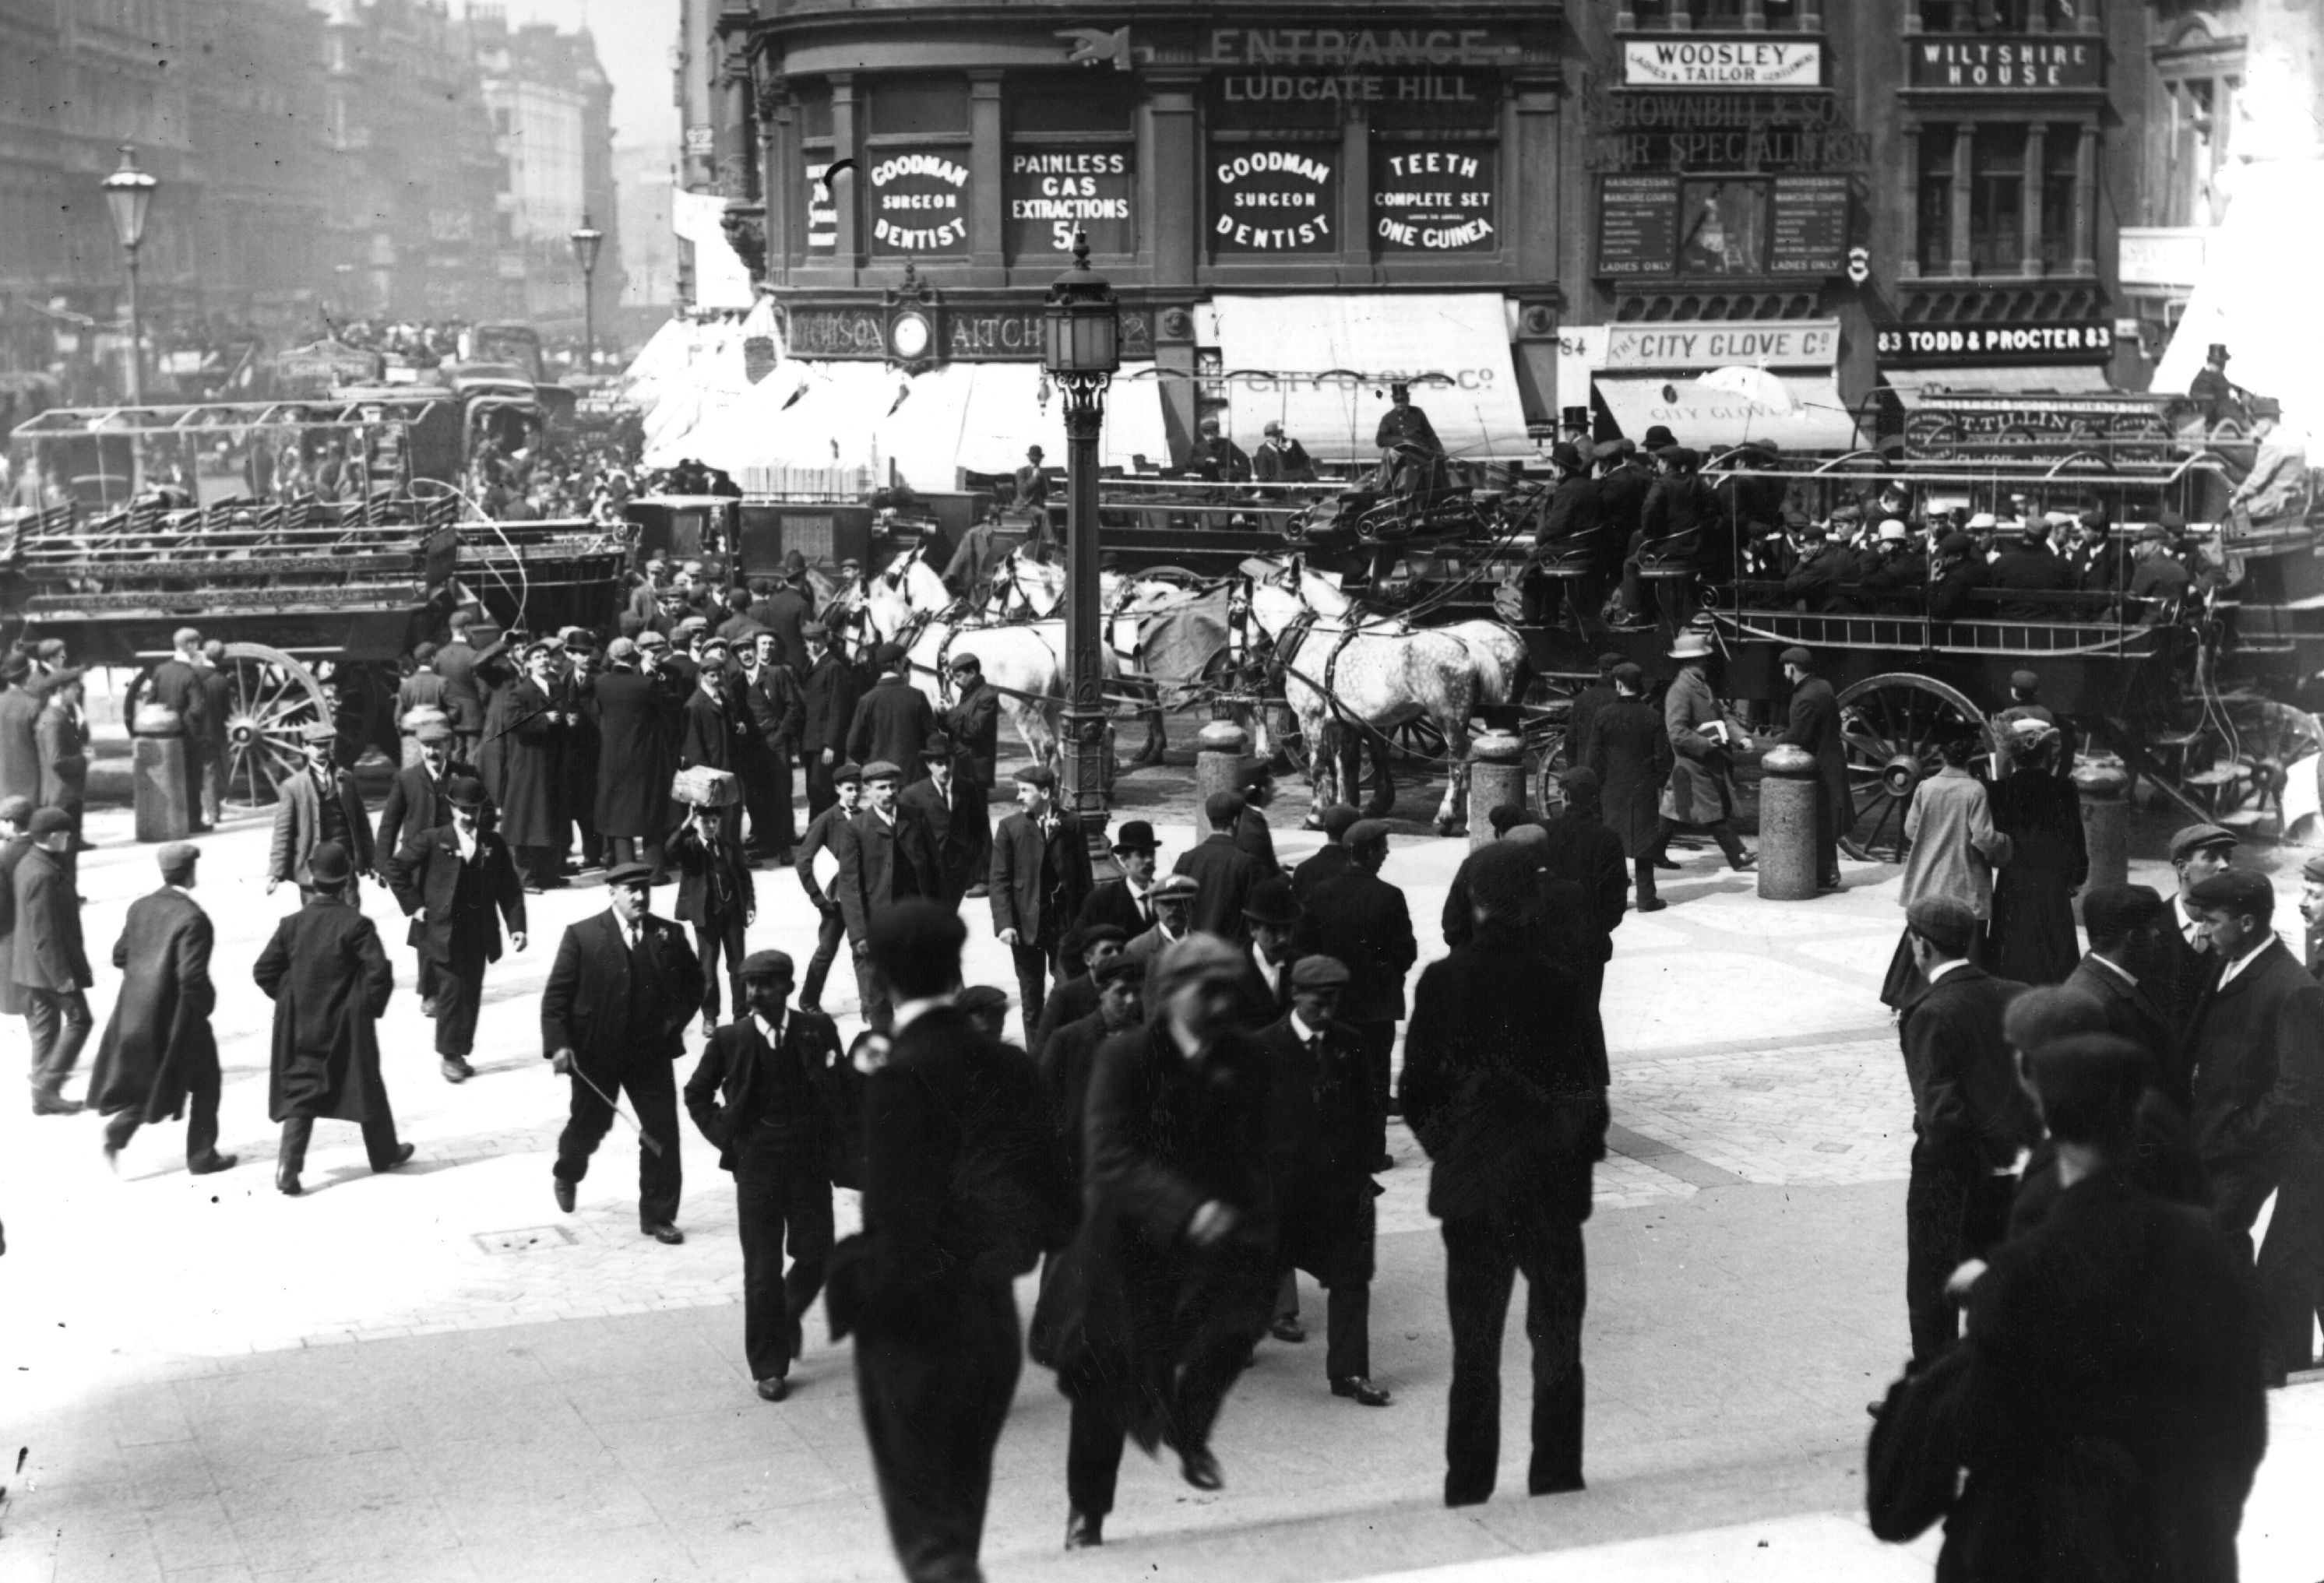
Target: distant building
[[641, 180]]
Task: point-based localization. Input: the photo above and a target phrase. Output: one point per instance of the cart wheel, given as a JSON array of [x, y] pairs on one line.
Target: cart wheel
[[2263, 740], [1892, 725], [1549, 749], [273, 699]]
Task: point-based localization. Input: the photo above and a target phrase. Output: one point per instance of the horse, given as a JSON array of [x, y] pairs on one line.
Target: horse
[[1341, 674]]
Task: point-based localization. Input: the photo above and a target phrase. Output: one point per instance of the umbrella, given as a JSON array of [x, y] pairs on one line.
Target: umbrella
[[1756, 385]]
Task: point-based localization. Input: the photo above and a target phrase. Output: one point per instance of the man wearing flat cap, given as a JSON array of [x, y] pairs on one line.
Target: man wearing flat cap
[[317, 804], [782, 1104], [2125, 923], [415, 798], [328, 978], [1813, 728], [2256, 1040], [49, 965], [1970, 1116], [614, 1016], [158, 1056], [457, 882], [1363, 922], [1174, 895], [1040, 878], [1322, 1137], [62, 733], [177, 684], [1223, 869], [894, 720], [888, 856]]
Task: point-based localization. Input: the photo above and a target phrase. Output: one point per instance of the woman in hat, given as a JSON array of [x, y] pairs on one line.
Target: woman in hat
[[2032, 936]]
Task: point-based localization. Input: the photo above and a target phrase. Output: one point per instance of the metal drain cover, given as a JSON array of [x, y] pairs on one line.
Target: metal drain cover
[[526, 1239]]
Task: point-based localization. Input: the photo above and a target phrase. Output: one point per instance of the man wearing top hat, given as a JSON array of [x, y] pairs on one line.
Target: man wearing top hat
[[329, 981], [456, 881], [1127, 903], [775, 1095], [49, 965], [888, 856], [318, 803], [2211, 389], [1278, 460], [1039, 880], [938, 798], [158, 1056], [893, 721], [1404, 424], [177, 686], [614, 1016]]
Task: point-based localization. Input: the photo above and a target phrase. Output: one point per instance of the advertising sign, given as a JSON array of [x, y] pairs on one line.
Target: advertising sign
[[2026, 65], [1434, 200], [1697, 226], [1809, 233], [821, 209], [1274, 199], [1637, 224], [919, 201], [1682, 60], [1813, 343], [2043, 341], [1054, 192]]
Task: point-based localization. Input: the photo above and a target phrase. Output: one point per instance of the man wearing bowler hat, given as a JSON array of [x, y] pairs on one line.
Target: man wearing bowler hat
[[158, 1055], [1127, 903], [457, 882], [624, 986], [50, 966], [327, 975], [775, 1095], [317, 804], [938, 797], [1040, 878]]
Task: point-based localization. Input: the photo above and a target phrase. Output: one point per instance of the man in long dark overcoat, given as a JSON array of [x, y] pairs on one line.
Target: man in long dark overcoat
[[1173, 1271], [957, 825], [49, 964], [973, 722], [1225, 872], [464, 696], [1323, 1139], [1629, 753], [1364, 923], [16, 824], [1814, 727], [829, 689], [624, 986], [158, 1055], [574, 698], [327, 975], [20, 751], [778, 713], [1583, 848], [177, 684], [456, 882], [894, 720], [636, 757], [534, 728]]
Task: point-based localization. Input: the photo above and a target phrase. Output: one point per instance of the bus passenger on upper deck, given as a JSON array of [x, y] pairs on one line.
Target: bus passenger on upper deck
[[2101, 560], [2276, 488], [1218, 459], [1279, 460], [1959, 567], [1897, 578], [2029, 566], [2159, 580], [1816, 581]]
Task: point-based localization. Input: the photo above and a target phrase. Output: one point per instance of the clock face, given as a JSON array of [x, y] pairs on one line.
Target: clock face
[[908, 337]]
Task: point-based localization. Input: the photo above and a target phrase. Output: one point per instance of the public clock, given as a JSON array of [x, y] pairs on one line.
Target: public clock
[[911, 336]]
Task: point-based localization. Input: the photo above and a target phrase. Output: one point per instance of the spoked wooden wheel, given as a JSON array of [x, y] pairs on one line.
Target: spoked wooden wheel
[[2253, 743], [1892, 725], [1550, 748], [274, 698]]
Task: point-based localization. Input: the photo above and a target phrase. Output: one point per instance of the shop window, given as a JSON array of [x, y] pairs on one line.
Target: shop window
[[1996, 200], [814, 109], [1997, 16], [1935, 207], [915, 105], [2060, 159]]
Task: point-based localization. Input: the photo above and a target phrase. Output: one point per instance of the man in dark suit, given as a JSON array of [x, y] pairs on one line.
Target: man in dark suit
[[778, 716], [893, 721], [2030, 566], [1629, 753], [1174, 895], [456, 881], [16, 826], [1814, 729], [1587, 702], [888, 857], [158, 1055], [50, 967], [2124, 924], [964, 1186], [1127, 903], [1361, 920], [316, 804], [1329, 861], [829, 689], [1584, 848], [1506, 1102], [1970, 1117], [19, 711], [2256, 1043], [177, 684], [1270, 920], [973, 722], [1040, 878], [464, 696], [1071, 1000], [786, 611], [624, 987], [1223, 870], [1323, 1126], [764, 1094], [938, 798], [2197, 853], [416, 802]]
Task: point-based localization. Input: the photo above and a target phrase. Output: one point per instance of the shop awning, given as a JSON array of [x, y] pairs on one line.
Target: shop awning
[[1705, 419], [2059, 379], [1322, 366]]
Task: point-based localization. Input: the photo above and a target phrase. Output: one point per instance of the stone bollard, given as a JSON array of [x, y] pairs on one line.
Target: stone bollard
[[1497, 779], [157, 751], [2106, 819], [1219, 751], [412, 724], [1787, 826]]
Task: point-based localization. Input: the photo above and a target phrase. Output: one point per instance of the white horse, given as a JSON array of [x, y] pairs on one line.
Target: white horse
[[1498, 654], [1341, 674]]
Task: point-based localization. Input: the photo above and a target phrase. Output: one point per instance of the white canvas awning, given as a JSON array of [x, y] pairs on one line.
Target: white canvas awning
[[1322, 365], [1707, 418]]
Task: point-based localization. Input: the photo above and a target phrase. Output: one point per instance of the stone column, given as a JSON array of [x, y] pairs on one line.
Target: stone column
[[2029, 200], [1219, 754], [1497, 779], [848, 251], [1787, 826], [158, 747], [986, 163], [1354, 218], [2106, 821], [1173, 181], [1529, 144], [2086, 178], [1964, 176]]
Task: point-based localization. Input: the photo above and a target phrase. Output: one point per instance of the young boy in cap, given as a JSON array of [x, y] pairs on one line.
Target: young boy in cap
[[826, 832], [457, 882], [1040, 878], [773, 1093], [2197, 853], [1363, 922], [719, 895], [158, 1055]]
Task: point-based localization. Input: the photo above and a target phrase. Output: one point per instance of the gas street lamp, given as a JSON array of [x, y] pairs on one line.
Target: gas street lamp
[[586, 241], [1081, 349], [128, 193]]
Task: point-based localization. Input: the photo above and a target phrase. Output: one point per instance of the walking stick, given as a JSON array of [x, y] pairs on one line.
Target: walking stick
[[644, 1137]]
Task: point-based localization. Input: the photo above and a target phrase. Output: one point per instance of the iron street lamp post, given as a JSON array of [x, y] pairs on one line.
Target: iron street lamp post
[[128, 193], [1081, 333], [586, 241]]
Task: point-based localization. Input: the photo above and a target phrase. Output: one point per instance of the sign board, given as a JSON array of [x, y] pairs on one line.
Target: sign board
[[1275, 198], [1053, 193], [2038, 341], [1809, 231], [1637, 224], [1974, 427], [1686, 60], [822, 207], [1434, 199], [702, 139], [1344, 50], [837, 332], [1811, 342], [919, 201], [2159, 255], [963, 335], [2037, 63]]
